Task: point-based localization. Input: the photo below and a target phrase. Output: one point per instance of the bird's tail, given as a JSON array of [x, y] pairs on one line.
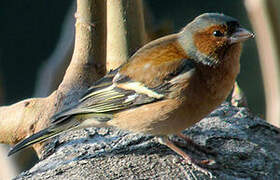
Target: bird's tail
[[43, 135]]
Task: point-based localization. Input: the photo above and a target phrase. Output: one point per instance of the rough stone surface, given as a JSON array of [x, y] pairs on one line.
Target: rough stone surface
[[247, 148]]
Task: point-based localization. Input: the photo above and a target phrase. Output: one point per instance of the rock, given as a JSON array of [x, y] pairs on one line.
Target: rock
[[247, 148]]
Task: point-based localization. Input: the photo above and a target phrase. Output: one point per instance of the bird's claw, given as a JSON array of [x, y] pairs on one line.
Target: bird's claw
[[196, 166], [191, 143]]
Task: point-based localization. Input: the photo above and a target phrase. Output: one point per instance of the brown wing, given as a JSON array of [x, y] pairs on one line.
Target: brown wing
[[153, 63], [151, 75]]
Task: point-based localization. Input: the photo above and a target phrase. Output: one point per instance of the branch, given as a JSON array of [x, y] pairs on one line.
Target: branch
[[88, 63], [247, 148], [263, 15], [125, 30], [24, 118]]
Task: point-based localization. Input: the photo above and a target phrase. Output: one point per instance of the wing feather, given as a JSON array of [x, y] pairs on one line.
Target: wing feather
[[150, 76]]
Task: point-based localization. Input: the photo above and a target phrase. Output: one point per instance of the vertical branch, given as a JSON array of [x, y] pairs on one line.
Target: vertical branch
[[29, 116], [263, 15], [137, 35], [90, 46], [125, 30], [117, 52]]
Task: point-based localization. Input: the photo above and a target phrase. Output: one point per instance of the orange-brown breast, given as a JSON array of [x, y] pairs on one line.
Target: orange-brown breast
[[151, 64]]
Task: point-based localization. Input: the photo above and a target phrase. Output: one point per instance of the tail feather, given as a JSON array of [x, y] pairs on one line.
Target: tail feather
[[37, 137], [45, 134]]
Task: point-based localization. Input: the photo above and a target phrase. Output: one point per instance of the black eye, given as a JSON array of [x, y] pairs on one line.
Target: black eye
[[218, 33]]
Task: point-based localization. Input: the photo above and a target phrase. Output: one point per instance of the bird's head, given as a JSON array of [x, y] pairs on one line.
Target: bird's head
[[208, 37]]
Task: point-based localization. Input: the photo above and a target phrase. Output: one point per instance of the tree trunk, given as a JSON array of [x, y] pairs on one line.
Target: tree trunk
[[247, 148]]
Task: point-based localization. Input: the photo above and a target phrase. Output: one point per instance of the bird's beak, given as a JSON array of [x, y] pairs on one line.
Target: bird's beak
[[240, 35]]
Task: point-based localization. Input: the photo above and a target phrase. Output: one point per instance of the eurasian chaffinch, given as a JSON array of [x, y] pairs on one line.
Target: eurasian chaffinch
[[167, 86]]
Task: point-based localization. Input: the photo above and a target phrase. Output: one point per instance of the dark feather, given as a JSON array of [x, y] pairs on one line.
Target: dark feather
[[44, 135]]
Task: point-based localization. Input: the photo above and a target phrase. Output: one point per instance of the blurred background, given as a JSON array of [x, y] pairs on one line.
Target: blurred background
[[30, 32]]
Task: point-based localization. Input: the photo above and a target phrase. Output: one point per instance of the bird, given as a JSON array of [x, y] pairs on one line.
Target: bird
[[167, 86]]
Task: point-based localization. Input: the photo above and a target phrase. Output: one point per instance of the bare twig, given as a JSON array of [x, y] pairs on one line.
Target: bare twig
[[22, 119], [126, 30], [263, 15]]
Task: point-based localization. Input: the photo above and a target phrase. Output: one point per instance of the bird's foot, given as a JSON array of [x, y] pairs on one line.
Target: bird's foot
[[196, 146], [203, 166], [198, 168], [196, 164]]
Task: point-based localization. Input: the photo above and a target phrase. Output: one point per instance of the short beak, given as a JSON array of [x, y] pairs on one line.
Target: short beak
[[240, 35]]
